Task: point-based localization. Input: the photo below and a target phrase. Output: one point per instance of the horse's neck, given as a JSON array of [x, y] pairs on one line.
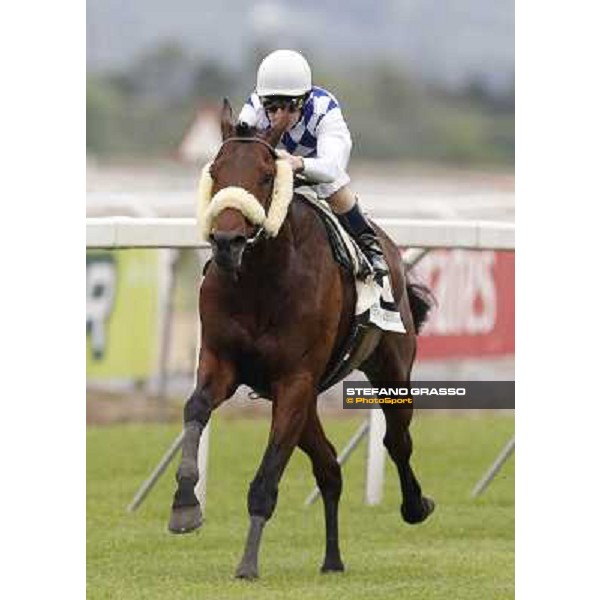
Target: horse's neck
[[271, 255], [292, 246], [273, 264], [270, 259]]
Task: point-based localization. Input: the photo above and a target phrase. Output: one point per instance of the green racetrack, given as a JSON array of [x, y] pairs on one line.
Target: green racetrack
[[465, 550]]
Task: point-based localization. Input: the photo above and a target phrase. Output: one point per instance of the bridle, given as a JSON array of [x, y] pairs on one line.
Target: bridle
[[257, 139], [260, 232]]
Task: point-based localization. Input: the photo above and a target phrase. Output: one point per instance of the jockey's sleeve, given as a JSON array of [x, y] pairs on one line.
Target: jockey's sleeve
[[333, 149]]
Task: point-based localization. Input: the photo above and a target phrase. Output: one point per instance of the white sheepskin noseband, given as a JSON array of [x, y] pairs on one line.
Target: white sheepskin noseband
[[210, 206]]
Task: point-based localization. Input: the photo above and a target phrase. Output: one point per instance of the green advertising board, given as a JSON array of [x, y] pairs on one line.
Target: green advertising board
[[122, 313]]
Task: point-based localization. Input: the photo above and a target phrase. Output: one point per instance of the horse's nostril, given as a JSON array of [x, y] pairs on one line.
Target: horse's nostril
[[238, 240], [219, 240]]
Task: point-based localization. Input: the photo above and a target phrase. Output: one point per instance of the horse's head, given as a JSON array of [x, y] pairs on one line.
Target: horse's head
[[244, 192]]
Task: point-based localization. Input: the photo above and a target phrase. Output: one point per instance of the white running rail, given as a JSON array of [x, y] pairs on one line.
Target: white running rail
[[136, 232]]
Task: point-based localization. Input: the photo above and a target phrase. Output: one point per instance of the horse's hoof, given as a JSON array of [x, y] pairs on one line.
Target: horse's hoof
[[417, 514], [185, 519], [332, 566], [247, 571]]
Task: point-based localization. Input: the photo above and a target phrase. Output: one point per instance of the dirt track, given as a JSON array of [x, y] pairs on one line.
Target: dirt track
[[105, 408]]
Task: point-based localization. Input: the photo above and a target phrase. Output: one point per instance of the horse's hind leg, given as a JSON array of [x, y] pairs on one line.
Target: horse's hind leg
[[415, 507], [391, 364], [215, 383], [328, 475]]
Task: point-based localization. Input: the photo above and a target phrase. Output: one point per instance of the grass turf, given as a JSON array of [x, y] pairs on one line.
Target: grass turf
[[465, 550]]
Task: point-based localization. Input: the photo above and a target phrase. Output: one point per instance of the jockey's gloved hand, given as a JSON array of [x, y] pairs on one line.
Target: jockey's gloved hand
[[296, 162]]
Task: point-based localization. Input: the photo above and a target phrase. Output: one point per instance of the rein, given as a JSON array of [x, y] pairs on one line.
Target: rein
[[260, 233]]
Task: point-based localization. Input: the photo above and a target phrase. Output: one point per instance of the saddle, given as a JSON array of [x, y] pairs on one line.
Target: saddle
[[375, 309], [345, 250]]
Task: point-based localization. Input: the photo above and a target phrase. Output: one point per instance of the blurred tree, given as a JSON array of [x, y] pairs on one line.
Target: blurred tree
[[210, 81], [162, 74], [395, 91], [144, 109], [103, 105]]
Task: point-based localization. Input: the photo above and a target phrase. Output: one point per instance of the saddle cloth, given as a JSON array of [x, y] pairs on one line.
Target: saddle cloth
[[377, 300]]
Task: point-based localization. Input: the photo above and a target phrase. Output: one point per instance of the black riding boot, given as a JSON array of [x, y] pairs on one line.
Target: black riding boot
[[356, 224]]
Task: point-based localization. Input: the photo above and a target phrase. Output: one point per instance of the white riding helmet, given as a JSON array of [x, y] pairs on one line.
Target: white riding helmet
[[283, 73]]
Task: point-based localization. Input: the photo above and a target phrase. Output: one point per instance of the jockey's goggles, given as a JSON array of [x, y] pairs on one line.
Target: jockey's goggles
[[274, 103]]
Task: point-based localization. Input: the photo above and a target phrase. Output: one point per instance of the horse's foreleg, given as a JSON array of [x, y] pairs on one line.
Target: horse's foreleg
[[215, 383], [292, 397], [328, 475]]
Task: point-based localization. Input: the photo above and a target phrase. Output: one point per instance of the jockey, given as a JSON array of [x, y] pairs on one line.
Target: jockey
[[316, 141]]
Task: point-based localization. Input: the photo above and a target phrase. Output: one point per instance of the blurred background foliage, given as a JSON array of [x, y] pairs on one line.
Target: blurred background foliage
[[142, 109]]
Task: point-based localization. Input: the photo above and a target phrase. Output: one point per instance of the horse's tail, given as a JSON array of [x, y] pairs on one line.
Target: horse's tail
[[421, 301]]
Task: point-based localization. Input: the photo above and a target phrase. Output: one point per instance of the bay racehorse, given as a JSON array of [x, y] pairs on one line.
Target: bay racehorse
[[276, 309]]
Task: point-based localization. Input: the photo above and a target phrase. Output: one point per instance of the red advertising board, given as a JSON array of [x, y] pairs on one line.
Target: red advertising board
[[475, 312]]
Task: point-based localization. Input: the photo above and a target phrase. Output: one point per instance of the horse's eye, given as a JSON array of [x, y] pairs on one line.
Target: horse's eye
[[267, 179]]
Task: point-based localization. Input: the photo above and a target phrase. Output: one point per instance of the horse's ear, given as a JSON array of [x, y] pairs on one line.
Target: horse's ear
[[227, 126], [273, 135]]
